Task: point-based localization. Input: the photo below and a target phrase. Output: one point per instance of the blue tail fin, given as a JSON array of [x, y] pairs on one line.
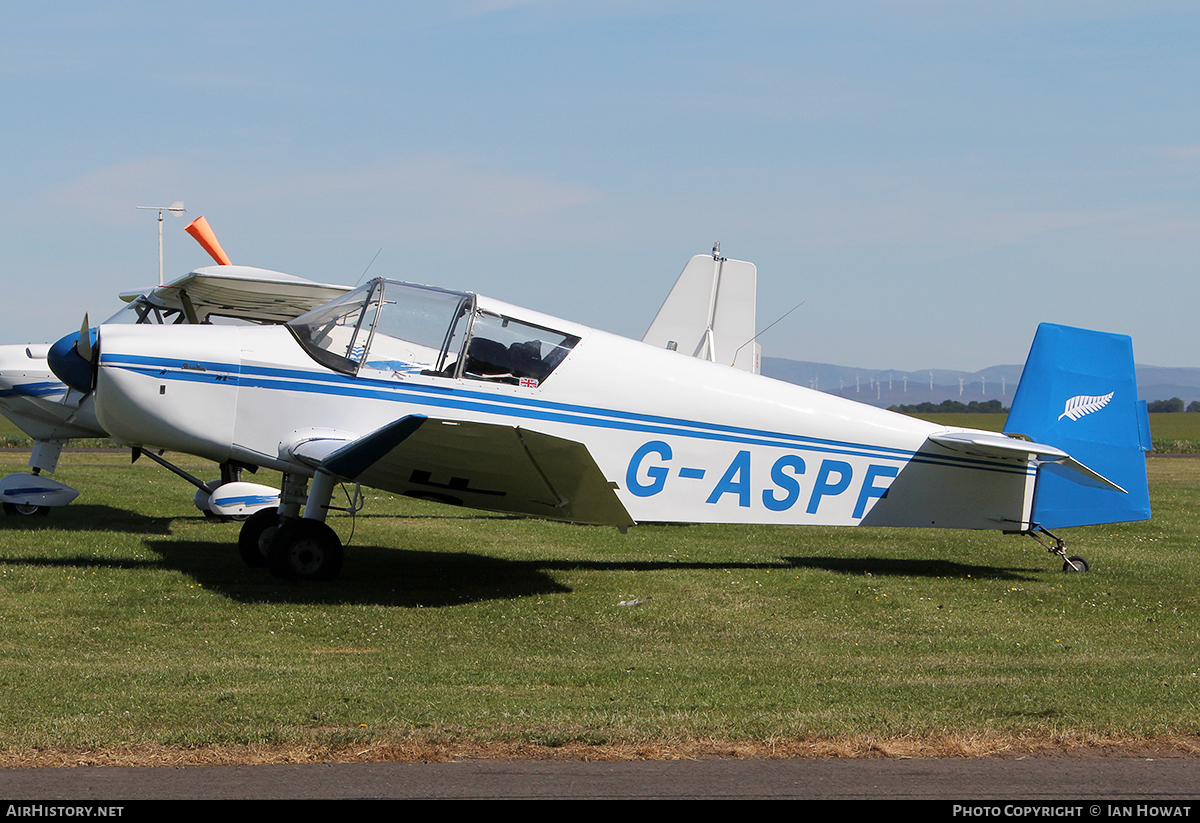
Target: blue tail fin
[[1079, 392]]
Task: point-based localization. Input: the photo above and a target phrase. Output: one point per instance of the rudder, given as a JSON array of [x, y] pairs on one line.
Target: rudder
[[1079, 392]]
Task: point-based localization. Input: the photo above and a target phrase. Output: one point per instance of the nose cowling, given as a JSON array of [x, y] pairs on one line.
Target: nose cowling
[[70, 366]]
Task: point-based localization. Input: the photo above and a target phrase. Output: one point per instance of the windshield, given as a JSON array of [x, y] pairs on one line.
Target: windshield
[[406, 329]]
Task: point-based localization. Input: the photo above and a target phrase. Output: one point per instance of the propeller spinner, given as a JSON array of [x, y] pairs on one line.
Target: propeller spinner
[[73, 358]]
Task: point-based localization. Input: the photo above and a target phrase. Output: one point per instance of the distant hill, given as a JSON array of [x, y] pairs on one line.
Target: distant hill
[[888, 387]]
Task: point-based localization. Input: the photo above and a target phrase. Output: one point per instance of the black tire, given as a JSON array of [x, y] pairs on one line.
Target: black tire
[[25, 509], [305, 550], [255, 537], [1075, 564]]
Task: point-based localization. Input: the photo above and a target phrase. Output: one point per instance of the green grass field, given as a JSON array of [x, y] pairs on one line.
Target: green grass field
[[130, 624]]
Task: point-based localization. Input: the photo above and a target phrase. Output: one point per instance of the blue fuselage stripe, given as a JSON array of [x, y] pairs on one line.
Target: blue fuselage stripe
[[246, 500], [518, 407]]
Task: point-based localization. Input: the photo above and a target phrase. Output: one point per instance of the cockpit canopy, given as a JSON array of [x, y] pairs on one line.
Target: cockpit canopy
[[401, 328]]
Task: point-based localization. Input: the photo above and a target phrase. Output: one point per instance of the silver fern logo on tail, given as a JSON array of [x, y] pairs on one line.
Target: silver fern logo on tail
[[1078, 406]]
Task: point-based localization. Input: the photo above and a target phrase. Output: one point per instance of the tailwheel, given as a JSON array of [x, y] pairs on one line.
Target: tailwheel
[[305, 550], [255, 537], [1071, 564]]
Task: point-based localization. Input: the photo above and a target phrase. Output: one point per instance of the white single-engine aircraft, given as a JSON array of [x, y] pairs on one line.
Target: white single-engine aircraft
[[456, 397]]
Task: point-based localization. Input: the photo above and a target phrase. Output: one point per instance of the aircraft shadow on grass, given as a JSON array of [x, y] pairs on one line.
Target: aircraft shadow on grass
[[904, 567], [402, 577], [77, 519], [377, 575], [413, 578], [89, 518], [80, 561]]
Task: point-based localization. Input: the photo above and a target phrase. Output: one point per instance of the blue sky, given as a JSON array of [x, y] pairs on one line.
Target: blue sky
[[932, 178]]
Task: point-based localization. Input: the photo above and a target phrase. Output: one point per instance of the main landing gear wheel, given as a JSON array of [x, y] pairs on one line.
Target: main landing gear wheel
[[255, 537], [305, 550], [25, 509], [1075, 563]]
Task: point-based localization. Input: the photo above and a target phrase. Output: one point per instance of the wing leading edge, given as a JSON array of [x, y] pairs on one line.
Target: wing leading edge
[[480, 465], [243, 292]]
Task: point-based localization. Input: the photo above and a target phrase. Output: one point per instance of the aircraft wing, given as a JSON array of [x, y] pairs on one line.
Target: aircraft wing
[[480, 465], [998, 446], [241, 291]]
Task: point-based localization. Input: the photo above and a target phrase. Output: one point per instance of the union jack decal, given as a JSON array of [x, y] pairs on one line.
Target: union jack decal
[[1078, 406]]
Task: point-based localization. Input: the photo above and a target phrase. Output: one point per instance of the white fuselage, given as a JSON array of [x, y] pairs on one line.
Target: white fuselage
[[683, 440], [34, 399]]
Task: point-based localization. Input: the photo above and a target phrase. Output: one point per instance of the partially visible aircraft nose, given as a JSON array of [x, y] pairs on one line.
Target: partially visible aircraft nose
[[70, 366]]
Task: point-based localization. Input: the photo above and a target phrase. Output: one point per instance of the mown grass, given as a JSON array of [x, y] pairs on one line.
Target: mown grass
[[12, 437], [1176, 432], [987, 422], [128, 620]]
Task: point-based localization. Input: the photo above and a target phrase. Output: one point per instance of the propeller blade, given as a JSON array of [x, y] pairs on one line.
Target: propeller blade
[[84, 344]]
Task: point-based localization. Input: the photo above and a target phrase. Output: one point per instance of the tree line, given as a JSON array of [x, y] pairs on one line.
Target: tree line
[[954, 407], [1175, 404]]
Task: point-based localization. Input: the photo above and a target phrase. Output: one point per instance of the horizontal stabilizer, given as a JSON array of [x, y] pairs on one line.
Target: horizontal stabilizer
[[983, 444], [483, 466]]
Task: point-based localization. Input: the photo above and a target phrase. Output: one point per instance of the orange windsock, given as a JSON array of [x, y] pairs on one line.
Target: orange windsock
[[199, 229]]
